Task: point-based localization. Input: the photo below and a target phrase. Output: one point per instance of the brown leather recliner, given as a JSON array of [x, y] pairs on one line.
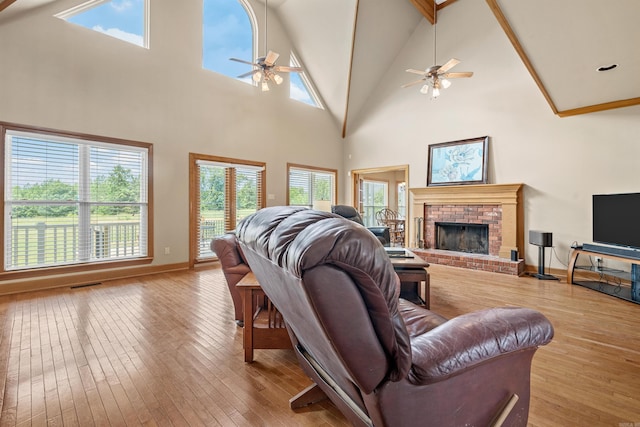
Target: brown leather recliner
[[234, 268], [384, 361]]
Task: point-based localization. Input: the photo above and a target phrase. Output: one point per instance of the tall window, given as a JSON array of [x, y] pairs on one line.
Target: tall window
[[72, 201], [228, 32], [224, 191], [123, 19], [374, 197], [311, 187]]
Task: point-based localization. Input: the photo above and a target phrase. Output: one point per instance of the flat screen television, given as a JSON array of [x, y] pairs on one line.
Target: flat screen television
[[616, 219]]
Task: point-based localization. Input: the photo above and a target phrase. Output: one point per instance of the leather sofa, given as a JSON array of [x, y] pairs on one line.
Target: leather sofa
[[381, 360]]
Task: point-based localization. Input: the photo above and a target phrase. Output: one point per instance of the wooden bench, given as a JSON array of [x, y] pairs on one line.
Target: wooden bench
[[264, 326]]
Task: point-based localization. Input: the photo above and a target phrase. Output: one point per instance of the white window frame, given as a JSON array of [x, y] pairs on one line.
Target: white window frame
[[369, 211], [251, 15], [306, 81], [83, 7]]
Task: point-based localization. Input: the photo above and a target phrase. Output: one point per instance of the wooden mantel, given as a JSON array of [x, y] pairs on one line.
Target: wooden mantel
[[508, 196]]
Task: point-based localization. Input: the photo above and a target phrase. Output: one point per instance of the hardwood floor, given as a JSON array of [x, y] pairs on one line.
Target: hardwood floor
[[164, 350]]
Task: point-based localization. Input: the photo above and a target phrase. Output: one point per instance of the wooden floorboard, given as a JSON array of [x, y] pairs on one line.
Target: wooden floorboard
[[164, 350]]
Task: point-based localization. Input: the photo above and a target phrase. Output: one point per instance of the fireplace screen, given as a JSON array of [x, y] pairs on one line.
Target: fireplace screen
[[469, 238]]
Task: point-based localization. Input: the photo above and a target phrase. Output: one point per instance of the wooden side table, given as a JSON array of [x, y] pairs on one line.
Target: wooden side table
[[264, 326], [414, 278]]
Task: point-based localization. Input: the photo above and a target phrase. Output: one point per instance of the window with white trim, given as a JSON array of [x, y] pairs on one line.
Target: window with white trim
[[311, 187], [374, 197], [126, 20], [226, 191], [228, 32], [402, 199], [300, 87], [72, 201]]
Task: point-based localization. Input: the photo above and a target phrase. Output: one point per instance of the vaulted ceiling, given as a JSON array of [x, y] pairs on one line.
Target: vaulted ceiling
[[348, 45]]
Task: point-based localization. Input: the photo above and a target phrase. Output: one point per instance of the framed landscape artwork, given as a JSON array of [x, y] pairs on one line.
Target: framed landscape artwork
[[458, 162]]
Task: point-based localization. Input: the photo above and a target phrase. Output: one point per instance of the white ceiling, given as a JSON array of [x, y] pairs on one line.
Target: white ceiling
[[566, 41], [346, 47]]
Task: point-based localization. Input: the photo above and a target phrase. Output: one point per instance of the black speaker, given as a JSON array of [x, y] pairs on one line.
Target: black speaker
[[514, 254], [541, 238]]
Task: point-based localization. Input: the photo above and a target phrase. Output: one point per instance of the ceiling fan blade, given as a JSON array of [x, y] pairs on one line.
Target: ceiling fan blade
[[284, 69], [411, 70], [243, 61], [457, 75], [241, 76], [448, 65], [271, 58], [413, 83]]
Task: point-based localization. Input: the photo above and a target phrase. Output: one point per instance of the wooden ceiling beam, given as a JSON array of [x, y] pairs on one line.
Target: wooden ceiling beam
[[5, 4], [425, 7]]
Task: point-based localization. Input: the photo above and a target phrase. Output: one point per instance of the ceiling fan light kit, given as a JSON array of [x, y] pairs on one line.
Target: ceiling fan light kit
[[265, 68], [436, 77]]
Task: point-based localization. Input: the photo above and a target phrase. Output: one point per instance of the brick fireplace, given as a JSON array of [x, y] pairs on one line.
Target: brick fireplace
[[499, 206]]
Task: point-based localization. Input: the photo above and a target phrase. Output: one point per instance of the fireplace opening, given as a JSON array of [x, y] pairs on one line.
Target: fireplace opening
[[462, 237]]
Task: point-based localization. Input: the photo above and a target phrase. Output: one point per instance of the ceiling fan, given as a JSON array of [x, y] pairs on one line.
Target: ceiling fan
[[436, 77], [266, 70]]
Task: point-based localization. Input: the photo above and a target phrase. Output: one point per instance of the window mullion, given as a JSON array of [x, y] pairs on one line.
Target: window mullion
[[84, 207]]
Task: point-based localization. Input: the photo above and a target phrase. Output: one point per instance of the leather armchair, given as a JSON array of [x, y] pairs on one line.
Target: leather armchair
[[234, 268], [381, 232], [384, 361]]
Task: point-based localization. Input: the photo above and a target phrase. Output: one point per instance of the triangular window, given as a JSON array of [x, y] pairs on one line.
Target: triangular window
[[123, 19], [300, 88], [228, 32]]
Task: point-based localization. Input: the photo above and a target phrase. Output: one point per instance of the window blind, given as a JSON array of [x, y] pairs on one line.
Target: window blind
[[228, 192], [70, 201], [307, 186]]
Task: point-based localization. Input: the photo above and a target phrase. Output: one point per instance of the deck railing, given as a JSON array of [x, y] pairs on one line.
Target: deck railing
[[48, 244], [209, 228]]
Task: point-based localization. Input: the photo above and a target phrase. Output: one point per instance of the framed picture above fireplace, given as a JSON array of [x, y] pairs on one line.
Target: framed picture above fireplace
[[458, 162]]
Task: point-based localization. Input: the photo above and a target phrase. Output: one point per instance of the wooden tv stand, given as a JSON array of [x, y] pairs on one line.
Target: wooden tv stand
[[610, 281]]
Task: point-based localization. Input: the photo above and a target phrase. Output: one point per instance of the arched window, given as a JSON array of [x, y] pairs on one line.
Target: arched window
[[228, 32]]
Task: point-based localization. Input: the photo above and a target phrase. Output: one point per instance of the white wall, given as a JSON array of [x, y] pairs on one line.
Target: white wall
[[57, 75], [562, 161]]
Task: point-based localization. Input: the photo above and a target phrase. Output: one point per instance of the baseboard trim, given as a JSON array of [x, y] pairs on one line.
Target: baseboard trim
[[68, 280]]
